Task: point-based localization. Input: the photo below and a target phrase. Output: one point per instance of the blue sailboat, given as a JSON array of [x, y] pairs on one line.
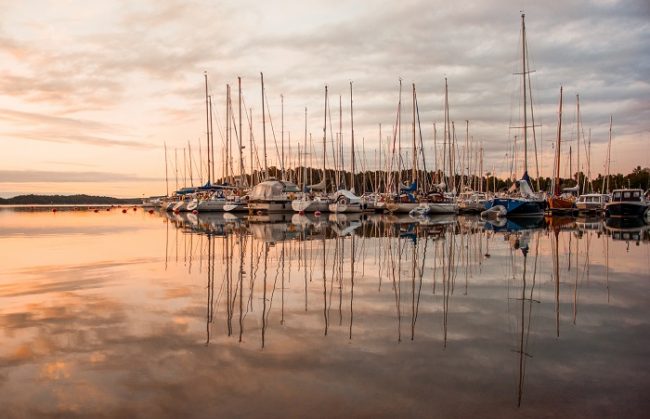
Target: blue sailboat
[[520, 199]]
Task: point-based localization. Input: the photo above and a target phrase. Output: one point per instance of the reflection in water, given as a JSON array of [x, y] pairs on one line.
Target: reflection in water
[[400, 304]]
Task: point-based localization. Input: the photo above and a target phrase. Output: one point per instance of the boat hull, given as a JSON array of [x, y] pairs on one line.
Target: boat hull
[[589, 207], [442, 208], [300, 205], [341, 207], [270, 206], [626, 209], [561, 205], [518, 207]]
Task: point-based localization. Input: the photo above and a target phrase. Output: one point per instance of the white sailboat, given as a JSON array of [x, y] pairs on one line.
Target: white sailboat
[[345, 200], [308, 201]]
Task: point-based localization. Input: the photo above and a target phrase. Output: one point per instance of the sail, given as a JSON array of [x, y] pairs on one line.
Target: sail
[[320, 186], [410, 188]]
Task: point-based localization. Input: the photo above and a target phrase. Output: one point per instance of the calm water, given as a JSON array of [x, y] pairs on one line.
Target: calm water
[[147, 315]]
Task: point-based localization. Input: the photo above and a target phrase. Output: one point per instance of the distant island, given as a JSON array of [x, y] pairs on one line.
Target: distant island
[[67, 200]]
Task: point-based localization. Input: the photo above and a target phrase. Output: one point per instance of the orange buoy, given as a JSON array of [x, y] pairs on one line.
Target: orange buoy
[[301, 212], [53, 209], [108, 209], [150, 211], [96, 210], [135, 208], [176, 211], [317, 213], [123, 211], [195, 212]]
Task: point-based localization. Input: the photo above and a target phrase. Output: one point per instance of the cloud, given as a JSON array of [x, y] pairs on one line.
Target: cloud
[[61, 129], [142, 64], [45, 176]]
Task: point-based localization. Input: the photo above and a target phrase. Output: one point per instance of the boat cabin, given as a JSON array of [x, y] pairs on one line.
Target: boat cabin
[[627, 195]]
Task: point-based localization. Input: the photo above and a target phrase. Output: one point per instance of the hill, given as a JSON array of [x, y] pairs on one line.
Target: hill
[[67, 200]]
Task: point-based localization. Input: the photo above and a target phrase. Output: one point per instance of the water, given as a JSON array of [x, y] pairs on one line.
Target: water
[[113, 314]]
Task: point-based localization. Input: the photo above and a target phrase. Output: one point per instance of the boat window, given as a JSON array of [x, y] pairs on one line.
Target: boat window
[[626, 194], [617, 195], [636, 194]]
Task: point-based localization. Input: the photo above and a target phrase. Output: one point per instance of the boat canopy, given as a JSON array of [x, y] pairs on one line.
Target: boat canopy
[[352, 198], [410, 188], [320, 186], [573, 190], [523, 187], [185, 191], [211, 186], [271, 189]]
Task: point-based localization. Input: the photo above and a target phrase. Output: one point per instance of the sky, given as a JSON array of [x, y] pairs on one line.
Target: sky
[[91, 91]]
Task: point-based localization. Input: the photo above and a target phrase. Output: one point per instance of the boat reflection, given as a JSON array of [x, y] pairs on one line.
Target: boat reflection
[[422, 267]]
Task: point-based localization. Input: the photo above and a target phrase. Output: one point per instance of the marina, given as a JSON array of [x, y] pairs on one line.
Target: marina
[[324, 209]]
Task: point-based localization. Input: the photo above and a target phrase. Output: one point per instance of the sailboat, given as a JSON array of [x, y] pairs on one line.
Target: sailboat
[[561, 202], [345, 200], [271, 195], [320, 202], [521, 200]]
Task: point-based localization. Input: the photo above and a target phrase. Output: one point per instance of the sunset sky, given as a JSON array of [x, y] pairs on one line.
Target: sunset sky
[[91, 90]]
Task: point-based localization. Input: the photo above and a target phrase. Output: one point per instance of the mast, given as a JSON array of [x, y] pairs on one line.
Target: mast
[[325, 142], [523, 75], [480, 176], [189, 152], [377, 179], [570, 161], [447, 139], [226, 154], [176, 165], [399, 140], [166, 174], [414, 170], [241, 138], [609, 151], [207, 121], [310, 150], [578, 143], [211, 142], [556, 180], [352, 178], [200, 162], [250, 141], [435, 151], [282, 135], [341, 165], [266, 167], [589, 166]]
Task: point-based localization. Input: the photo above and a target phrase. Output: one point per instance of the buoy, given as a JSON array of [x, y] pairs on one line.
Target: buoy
[[195, 212], [176, 211], [150, 211], [135, 208], [123, 211], [53, 209], [108, 209], [96, 210], [317, 213], [301, 212]]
